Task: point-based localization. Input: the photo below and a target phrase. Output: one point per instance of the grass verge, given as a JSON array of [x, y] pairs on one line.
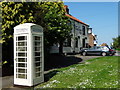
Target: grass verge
[[95, 73], [118, 49]]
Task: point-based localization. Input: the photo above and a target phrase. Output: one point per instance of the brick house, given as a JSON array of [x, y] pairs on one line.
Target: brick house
[[92, 39]]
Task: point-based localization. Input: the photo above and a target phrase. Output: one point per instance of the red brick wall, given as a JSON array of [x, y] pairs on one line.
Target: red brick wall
[[91, 40]]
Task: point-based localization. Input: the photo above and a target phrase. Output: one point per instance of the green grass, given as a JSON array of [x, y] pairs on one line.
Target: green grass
[[118, 49], [95, 73]]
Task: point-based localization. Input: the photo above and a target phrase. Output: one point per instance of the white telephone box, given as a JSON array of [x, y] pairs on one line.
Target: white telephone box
[[28, 54]]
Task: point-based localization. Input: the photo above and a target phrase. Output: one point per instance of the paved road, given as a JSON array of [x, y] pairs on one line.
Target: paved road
[[117, 53], [7, 82], [86, 57]]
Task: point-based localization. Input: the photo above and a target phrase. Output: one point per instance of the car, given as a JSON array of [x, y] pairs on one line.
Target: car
[[112, 50], [98, 50]]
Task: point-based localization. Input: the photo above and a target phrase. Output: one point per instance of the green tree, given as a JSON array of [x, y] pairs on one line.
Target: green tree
[[50, 15], [116, 42], [13, 13], [54, 22]]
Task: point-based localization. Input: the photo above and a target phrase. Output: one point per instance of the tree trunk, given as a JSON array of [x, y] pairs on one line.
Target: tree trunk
[[61, 47]]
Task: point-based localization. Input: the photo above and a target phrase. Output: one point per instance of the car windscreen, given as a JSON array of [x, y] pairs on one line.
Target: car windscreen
[[105, 48]]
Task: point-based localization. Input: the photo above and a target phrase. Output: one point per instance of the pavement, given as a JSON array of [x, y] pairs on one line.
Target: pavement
[[117, 53], [7, 81]]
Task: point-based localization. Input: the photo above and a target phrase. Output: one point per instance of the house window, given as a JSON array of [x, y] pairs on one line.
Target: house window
[[83, 41], [76, 42], [67, 42], [83, 28]]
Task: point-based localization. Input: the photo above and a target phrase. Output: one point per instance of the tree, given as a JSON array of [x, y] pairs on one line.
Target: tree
[[13, 13], [116, 42], [50, 15], [54, 22]]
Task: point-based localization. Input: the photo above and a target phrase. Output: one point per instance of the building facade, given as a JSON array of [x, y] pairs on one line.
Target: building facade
[[80, 36]]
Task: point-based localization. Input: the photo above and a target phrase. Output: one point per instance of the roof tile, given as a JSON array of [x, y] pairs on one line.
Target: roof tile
[[76, 19]]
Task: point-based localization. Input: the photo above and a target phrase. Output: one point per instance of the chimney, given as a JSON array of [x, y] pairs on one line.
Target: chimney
[[66, 9], [90, 30]]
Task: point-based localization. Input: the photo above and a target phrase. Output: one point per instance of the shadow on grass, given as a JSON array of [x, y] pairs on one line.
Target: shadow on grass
[[58, 61], [50, 75]]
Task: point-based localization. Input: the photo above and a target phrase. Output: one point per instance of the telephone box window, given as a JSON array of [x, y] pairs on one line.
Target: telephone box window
[[38, 69], [21, 75], [37, 43], [22, 70], [37, 64], [22, 44], [37, 38], [21, 48], [21, 38], [21, 59], [37, 53], [37, 74], [37, 59], [21, 65], [37, 48], [22, 54]]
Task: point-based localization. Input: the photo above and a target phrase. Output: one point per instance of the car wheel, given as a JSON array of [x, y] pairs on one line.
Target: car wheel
[[113, 54], [84, 53], [104, 54]]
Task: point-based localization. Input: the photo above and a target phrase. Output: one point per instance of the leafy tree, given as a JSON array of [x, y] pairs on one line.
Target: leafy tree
[[54, 22], [50, 15], [13, 13], [116, 42]]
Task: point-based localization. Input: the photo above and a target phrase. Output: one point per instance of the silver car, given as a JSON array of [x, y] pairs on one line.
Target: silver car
[[98, 50]]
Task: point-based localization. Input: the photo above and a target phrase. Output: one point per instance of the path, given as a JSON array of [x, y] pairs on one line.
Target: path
[[7, 82]]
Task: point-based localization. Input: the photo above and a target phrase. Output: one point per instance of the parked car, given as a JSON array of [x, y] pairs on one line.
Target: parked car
[[98, 50], [112, 50]]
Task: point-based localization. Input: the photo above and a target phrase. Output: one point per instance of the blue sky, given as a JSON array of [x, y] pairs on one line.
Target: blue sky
[[101, 16]]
